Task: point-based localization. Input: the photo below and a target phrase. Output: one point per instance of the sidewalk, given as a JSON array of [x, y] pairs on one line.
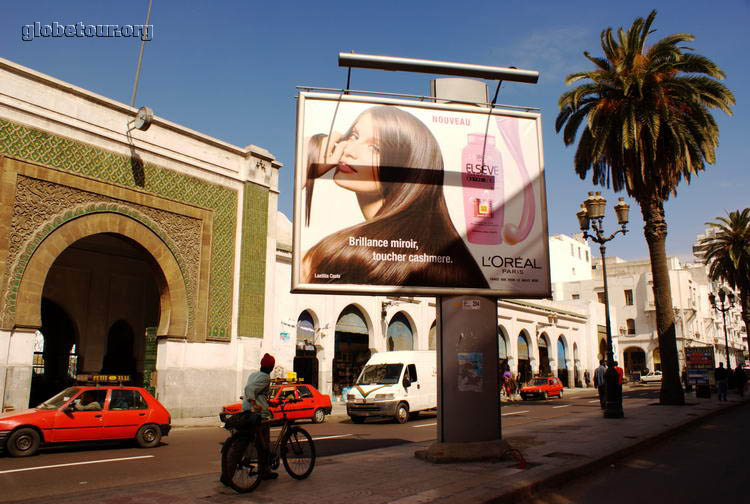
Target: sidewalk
[[555, 450]]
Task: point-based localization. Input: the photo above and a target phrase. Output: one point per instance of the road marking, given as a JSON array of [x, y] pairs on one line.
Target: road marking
[[76, 463], [563, 406], [331, 437], [515, 413], [597, 400], [424, 425]]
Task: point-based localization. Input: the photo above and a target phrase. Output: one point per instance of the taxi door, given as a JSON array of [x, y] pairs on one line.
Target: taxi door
[[292, 409], [126, 411], [74, 425], [306, 404]]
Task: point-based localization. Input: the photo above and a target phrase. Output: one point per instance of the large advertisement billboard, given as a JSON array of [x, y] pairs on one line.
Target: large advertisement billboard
[[408, 197]]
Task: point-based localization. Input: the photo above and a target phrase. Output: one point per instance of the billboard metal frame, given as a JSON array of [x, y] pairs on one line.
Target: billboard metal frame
[[362, 289]]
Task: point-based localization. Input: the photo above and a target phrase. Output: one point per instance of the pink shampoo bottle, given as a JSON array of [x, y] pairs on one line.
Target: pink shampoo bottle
[[482, 181]]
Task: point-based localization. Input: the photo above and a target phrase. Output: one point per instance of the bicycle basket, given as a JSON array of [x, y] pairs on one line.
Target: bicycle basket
[[243, 420]]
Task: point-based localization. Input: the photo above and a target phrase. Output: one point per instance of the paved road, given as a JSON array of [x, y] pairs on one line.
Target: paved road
[[195, 451], [705, 463]]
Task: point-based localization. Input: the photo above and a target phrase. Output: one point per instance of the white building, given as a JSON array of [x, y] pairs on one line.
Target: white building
[[631, 297]]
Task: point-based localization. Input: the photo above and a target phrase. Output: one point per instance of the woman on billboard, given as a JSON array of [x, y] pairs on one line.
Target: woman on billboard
[[393, 164]]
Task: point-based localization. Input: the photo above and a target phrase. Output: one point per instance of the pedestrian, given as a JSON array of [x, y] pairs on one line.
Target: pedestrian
[[587, 378], [721, 381], [507, 378], [620, 373], [599, 382], [740, 379]]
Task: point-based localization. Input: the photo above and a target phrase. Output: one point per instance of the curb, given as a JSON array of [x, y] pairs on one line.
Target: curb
[[526, 492]]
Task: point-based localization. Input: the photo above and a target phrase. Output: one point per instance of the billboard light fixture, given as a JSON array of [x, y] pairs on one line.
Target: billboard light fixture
[[413, 96], [392, 63]]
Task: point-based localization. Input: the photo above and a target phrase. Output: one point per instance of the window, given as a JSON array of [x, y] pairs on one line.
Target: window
[[572, 251], [587, 256], [304, 392], [600, 296], [574, 271], [631, 326], [629, 297], [576, 296], [579, 252], [126, 400], [411, 371]]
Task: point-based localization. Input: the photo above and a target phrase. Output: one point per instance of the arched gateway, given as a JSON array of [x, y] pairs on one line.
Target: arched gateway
[[114, 277]]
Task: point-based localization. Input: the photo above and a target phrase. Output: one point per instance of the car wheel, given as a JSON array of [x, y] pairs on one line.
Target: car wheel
[[545, 396], [560, 394], [23, 442], [357, 419], [402, 413], [319, 416], [523, 397], [148, 436]]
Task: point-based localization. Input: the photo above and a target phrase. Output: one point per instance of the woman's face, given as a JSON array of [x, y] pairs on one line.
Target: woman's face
[[357, 166]]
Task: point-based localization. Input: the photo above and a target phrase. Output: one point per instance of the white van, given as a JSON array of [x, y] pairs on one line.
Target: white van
[[394, 384]]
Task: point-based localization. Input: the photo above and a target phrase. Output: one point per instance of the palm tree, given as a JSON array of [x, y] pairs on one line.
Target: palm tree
[[727, 253], [648, 125]]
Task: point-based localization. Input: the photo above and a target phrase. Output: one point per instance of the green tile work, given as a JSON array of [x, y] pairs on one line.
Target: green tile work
[[253, 259], [69, 155]]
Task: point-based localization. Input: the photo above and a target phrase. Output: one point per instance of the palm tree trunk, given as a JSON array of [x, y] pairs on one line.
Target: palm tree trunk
[[655, 230]]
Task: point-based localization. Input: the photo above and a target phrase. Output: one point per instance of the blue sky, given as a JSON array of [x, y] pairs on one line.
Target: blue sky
[[229, 69]]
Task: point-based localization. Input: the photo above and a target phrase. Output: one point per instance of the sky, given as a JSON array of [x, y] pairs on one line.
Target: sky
[[230, 70]]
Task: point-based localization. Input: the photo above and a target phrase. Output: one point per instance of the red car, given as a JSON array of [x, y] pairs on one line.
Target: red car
[[542, 387], [311, 403], [86, 413]]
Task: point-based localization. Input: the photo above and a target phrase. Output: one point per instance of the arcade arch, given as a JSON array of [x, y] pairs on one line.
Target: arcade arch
[[634, 360], [544, 365], [562, 361], [306, 362], [351, 348], [400, 333], [524, 356]]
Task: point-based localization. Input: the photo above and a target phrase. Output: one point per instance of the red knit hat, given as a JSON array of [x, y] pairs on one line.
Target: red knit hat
[[267, 361]]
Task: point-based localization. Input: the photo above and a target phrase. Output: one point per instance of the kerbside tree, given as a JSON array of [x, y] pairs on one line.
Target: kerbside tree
[[647, 124]]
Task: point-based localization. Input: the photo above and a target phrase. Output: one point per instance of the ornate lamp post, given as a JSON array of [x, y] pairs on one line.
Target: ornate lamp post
[[591, 215], [723, 310]]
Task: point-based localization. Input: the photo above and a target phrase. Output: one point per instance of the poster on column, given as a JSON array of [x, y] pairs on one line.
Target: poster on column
[[412, 197]]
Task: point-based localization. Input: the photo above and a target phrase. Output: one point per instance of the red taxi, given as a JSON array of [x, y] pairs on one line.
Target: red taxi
[[543, 387], [310, 404], [86, 413]]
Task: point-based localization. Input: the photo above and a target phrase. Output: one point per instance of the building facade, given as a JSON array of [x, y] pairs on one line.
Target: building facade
[[125, 251]]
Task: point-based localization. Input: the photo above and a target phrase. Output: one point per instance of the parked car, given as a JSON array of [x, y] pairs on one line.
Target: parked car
[[311, 404], [654, 376], [543, 387], [86, 413]]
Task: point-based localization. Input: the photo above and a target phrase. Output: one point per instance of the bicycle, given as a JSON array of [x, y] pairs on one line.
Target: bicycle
[[242, 466]]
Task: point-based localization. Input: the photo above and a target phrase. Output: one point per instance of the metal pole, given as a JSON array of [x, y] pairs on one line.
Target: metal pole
[[613, 405], [726, 339], [140, 57]]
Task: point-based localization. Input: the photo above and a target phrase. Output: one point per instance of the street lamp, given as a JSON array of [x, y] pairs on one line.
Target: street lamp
[[591, 215], [723, 310]]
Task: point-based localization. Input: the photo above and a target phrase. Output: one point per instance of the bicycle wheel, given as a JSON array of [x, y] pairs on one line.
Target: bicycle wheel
[[241, 465], [298, 453]]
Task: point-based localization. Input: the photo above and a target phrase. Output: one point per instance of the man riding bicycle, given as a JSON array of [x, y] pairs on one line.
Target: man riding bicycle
[[256, 400]]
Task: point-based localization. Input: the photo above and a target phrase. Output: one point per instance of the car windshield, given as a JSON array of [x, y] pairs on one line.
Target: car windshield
[[59, 399], [538, 381], [384, 374]]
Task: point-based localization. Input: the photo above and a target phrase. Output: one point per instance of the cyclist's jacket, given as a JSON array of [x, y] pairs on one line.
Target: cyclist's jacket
[[257, 389]]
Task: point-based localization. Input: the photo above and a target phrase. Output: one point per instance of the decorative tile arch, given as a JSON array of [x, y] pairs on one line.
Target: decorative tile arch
[[35, 265]]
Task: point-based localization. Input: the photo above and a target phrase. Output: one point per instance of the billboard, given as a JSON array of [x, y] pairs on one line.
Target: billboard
[[408, 197]]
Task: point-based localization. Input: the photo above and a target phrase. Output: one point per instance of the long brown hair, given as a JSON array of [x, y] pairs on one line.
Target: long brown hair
[[411, 177]]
